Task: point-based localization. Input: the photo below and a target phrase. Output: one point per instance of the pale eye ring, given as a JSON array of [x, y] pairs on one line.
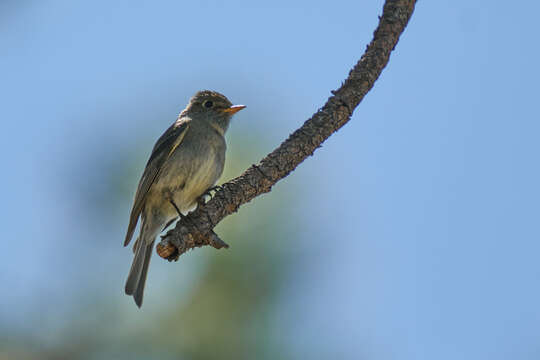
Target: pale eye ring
[[208, 104]]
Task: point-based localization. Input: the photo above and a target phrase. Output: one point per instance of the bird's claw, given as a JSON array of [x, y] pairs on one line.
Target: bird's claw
[[201, 199]]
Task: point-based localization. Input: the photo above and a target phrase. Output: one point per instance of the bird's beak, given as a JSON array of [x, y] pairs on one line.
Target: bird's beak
[[233, 109]]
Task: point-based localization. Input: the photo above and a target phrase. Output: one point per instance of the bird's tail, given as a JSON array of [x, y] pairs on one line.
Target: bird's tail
[[139, 269]]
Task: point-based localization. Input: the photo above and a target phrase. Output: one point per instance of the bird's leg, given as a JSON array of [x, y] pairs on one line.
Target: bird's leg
[[182, 216]]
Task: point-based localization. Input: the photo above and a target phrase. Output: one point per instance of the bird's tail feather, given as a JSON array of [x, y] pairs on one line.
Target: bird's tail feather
[[139, 269]]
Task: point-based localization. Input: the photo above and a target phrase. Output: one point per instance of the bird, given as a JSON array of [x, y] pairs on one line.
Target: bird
[[186, 161]]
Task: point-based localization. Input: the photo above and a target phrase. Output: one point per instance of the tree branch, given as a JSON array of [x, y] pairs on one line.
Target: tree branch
[[197, 229]]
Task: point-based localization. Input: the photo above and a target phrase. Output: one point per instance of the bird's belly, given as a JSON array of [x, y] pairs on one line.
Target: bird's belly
[[194, 186], [184, 182]]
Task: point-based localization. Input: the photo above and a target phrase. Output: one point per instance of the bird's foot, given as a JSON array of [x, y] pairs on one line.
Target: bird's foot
[[201, 199]]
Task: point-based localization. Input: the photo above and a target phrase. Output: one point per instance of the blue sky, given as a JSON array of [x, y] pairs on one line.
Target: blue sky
[[418, 221]]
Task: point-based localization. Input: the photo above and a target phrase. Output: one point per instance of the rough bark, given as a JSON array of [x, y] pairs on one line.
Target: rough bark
[[196, 229]]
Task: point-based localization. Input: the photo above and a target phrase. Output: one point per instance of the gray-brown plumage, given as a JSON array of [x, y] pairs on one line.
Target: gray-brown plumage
[[186, 161]]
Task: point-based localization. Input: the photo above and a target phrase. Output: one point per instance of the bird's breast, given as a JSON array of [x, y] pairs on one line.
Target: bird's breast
[[194, 166]]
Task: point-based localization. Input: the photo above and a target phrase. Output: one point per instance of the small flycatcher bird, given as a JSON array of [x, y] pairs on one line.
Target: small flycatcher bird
[[186, 161]]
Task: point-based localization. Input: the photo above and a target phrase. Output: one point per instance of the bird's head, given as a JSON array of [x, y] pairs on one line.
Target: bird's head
[[213, 107]]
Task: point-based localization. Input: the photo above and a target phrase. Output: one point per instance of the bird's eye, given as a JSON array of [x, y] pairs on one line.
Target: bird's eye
[[208, 104]]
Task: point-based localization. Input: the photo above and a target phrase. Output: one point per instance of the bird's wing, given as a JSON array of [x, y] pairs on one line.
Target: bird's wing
[[165, 146]]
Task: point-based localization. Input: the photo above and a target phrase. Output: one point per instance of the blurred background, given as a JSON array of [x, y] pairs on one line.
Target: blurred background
[[413, 233]]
